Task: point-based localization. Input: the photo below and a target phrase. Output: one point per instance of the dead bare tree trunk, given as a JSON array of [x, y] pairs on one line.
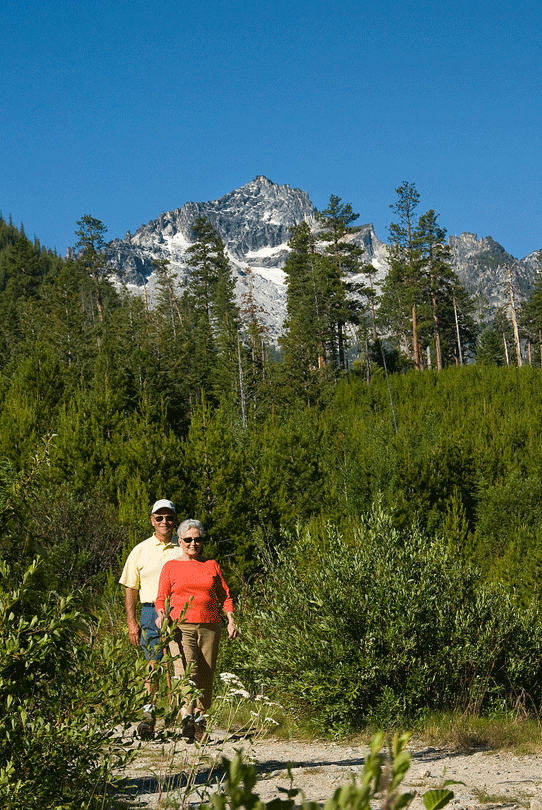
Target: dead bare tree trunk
[[513, 312], [241, 384], [415, 341], [458, 336]]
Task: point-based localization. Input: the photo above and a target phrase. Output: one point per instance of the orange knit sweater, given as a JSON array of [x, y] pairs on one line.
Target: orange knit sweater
[[180, 580]]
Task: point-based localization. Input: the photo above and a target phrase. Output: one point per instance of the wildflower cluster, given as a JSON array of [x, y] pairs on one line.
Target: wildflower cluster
[[254, 713]]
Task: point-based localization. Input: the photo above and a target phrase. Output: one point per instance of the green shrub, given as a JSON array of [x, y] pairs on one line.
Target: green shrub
[[64, 699], [380, 627]]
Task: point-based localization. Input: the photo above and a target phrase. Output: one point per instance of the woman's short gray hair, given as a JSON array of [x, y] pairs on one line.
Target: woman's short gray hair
[[190, 524]]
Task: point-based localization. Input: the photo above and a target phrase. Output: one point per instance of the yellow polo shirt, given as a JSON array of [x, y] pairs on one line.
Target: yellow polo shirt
[[144, 564]]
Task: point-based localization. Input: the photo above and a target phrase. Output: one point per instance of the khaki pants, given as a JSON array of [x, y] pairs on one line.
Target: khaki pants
[[197, 645]]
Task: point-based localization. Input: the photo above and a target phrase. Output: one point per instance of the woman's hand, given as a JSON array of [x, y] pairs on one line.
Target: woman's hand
[[159, 618], [233, 632]]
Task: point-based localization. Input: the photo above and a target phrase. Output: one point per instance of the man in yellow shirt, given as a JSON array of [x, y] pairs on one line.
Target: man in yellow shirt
[[140, 577]]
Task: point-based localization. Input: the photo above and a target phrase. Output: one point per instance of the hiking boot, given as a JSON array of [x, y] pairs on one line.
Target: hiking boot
[[145, 729], [188, 728], [200, 733]]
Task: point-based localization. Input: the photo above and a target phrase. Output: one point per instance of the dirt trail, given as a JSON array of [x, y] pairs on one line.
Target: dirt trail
[[489, 779]]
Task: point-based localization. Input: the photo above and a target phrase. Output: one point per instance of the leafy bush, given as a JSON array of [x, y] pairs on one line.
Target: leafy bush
[[379, 627], [64, 698], [80, 538]]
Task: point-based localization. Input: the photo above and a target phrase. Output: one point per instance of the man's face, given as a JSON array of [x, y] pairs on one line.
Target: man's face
[[164, 522]]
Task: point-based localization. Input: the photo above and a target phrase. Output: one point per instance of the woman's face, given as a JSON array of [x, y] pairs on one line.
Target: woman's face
[[191, 542]]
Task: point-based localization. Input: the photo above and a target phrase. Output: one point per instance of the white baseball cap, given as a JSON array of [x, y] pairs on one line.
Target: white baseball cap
[[163, 504]]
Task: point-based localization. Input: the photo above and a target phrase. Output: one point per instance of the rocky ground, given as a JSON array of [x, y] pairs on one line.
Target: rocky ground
[[168, 773]]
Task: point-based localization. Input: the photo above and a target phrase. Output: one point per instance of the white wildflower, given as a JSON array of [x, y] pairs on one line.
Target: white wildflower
[[242, 692], [229, 677]]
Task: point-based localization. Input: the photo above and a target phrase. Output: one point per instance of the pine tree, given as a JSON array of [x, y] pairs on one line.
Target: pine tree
[[67, 328], [307, 327], [91, 233], [256, 334], [496, 341], [423, 303], [213, 315], [25, 268], [168, 301], [402, 285], [344, 258], [441, 291], [218, 491], [489, 349]]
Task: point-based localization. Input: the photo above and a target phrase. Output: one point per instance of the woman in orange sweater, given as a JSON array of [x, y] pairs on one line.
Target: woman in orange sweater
[[196, 584]]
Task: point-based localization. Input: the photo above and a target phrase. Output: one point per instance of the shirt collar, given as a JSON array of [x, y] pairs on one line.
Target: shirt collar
[[170, 544]]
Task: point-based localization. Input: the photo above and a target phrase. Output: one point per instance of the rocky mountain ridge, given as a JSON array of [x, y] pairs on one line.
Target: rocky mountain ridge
[[254, 221], [485, 269]]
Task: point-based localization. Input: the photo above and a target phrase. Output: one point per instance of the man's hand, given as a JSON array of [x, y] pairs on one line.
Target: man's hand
[[134, 632], [130, 601]]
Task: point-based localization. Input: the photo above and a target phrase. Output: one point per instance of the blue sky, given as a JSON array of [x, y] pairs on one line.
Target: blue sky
[[124, 110]]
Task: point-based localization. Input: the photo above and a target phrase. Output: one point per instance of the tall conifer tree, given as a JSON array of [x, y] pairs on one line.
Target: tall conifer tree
[[306, 328], [91, 233], [213, 314], [344, 258]]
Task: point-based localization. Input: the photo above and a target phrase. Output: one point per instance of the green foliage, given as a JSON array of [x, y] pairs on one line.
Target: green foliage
[[66, 689], [531, 313], [490, 348], [217, 491], [424, 306], [382, 624], [80, 538], [343, 260], [309, 327], [63, 693], [91, 260], [212, 317], [277, 439]]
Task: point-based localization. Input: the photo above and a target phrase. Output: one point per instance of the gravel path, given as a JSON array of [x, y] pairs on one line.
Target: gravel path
[[159, 775]]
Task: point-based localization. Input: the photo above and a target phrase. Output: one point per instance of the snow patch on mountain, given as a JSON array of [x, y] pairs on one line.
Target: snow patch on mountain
[[265, 251], [255, 223], [273, 274]]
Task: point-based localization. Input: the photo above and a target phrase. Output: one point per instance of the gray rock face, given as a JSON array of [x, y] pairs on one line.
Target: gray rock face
[[485, 269], [257, 215], [255, 223]]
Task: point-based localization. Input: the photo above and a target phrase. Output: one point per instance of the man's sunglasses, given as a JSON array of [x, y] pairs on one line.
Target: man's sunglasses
[[167, 518]]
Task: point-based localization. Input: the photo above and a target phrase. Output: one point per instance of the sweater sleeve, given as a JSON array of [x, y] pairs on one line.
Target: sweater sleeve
[[224, 595]]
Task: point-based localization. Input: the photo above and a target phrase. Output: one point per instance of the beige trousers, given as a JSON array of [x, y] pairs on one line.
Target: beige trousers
[[197, 646]]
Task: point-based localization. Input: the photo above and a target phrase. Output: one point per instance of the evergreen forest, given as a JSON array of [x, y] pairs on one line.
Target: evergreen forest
[[373, 482]]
